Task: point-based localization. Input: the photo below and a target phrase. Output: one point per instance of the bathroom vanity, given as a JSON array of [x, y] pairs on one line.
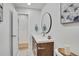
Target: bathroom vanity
[[42, 46]]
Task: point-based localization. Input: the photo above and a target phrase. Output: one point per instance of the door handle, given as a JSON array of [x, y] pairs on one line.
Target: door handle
[[13, 35], [41, 48]]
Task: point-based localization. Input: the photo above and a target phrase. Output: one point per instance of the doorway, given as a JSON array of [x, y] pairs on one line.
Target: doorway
[[23, 45]]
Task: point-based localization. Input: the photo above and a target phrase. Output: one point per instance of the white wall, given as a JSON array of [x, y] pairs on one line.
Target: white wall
[[62, 34], [5, 30], [35, 19]]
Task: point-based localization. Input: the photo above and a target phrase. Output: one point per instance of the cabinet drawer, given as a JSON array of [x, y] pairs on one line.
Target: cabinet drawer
[[45, 49], [45, 46]]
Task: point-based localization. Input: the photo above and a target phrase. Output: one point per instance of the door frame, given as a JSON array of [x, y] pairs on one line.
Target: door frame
[[11, 33]]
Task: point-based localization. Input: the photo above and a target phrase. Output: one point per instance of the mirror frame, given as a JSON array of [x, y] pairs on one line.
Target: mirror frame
[[50, 21]]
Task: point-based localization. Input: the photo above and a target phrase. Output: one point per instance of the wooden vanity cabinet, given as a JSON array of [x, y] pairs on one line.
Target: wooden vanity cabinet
[[42, 49]]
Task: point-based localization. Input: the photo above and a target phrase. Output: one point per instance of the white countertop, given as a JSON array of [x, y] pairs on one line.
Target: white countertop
[[42, 39]]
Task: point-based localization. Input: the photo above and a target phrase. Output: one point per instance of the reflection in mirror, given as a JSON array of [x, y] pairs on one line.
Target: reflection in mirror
[[46, 23]]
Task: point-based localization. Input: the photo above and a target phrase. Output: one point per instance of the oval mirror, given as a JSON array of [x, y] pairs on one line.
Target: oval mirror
[[46, 23]]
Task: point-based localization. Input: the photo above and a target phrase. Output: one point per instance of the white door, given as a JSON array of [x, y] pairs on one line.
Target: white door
[[14, 34], [23, 33], [23, 28]]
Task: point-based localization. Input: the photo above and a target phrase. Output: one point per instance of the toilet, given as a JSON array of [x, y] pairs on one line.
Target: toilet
[[57, 53]]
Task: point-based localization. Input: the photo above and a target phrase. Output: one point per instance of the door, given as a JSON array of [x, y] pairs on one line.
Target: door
[[23, 34], [14, 34], [23, 27]]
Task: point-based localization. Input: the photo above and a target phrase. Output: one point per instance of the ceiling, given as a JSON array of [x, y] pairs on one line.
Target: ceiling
[[37, 6]]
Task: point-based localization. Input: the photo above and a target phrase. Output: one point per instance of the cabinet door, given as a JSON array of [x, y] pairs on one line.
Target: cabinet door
[[45, 49]]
